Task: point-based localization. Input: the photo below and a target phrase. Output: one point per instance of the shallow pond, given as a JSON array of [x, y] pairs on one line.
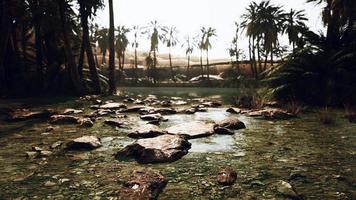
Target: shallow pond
[[317, 160]]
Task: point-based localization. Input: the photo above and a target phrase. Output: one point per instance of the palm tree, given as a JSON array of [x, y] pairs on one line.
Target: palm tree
[[103, 42], [199, 43], [68, 49], [208, 33], [112, 83], [234, 51], [294, 25], [154, 33], [121, 45], [189, 48], [170, 38], [136, 31]]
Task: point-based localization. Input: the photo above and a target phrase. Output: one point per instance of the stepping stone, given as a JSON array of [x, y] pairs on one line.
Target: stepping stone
[[161, 149], [192, 130], [232, 123], [84, 143]]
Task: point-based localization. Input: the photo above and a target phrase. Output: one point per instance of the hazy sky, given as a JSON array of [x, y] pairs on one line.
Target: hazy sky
[[189, 15]]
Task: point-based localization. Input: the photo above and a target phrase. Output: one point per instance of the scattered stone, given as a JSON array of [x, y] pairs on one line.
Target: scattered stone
[[64, 119], [232, 123], [233, 110], [190, 111], [114, 122], [56, 144], [212, 104], [86, 123], [63, 180], [164, 148], [151, 117], [45, 153], [70, 111], [113, 106], [155, 122], [191, 130], [31, 154], [226, 176], [146, 134], [223, 131], [143, 185], [179, 103], [134, 109], [286, 189], [50, 184], [38, 149], [166, 104], [84, 143], [165, 111]]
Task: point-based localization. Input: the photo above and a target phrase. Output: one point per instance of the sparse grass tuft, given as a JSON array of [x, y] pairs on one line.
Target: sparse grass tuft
[[326, 117]]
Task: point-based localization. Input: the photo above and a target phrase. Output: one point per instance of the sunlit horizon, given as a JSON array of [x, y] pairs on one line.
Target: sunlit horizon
[[190, 16]]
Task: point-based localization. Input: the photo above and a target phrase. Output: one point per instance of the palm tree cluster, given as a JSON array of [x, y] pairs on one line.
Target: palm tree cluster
[[37, 57], [263, 24], [323, 71]]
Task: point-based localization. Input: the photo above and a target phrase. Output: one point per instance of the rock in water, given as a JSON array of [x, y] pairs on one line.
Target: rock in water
[[232, 123], [146, 134], [226, 176], [144, 185], [164, 148], [86, 123], [84, 143], [223, 131], [64, 119], [192, 130], [233, 110], [113, 106]]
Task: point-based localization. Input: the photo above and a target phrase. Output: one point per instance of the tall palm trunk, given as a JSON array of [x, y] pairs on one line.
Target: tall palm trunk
[[4, 39], [112, 83], [207, 65], [136, 65], [254, 64], [250, 55], [201, 63], [188, 65], [68, 50], [259, 69], [103, 58], [23, 41], [170, 65], [81, 59], [84, 14], [154, 67]]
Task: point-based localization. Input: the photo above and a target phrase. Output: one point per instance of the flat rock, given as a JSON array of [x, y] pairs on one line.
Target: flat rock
[[70, 111], [144, 184], [64, 119], [226, 176], [114, 122], [134, 109], [146, 134], [271, 113], [25, 114], [232, 123], [192, 130], [223, 131], [151, 117], [113, 106], [164, 148], [165, 111], [84, 143], [211, 104]]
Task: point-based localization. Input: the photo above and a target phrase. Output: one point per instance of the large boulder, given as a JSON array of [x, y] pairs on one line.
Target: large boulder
[[64, 119], [143, 185], [164, 148], [84, 143], [192, 130], [232, 123]]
